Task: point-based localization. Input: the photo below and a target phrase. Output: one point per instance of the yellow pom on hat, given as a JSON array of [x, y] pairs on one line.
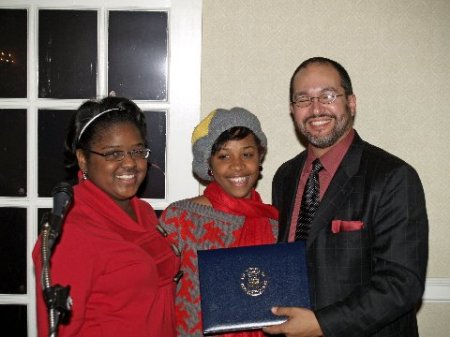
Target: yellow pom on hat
[[202, 129]]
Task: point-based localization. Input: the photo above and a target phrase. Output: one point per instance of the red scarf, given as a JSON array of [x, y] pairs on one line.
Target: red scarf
[[257, 228]]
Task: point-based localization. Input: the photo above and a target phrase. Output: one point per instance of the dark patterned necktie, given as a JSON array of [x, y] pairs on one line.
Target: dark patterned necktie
[[310, 202]]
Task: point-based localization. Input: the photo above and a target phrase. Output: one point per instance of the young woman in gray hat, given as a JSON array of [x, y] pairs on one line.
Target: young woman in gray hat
[[228, 148]]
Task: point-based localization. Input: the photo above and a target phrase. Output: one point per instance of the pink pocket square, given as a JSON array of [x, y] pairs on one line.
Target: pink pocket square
[[346, 226]]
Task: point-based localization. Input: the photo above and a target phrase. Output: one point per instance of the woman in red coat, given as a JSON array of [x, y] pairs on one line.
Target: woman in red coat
[[119, 267]]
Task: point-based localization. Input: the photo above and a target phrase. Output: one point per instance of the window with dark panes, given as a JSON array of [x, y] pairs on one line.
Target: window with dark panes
[[137, 54], [13, 152], [13, 53], [54, 55], [67, 53]]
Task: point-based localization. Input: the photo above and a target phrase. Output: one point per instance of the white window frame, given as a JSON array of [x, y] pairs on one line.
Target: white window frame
[[182, 107]]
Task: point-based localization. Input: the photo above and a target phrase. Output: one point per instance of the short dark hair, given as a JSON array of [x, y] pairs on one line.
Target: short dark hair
[[236, 133], [346, 83], [120, 110]]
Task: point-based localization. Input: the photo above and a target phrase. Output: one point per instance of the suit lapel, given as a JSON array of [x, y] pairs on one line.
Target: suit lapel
[[338, 191], [291, 186]]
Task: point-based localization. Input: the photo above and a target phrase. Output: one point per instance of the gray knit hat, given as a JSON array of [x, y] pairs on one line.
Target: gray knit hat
[[211, 127]]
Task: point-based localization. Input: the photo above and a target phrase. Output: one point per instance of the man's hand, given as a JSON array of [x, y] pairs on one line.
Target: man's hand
[[301, 323]]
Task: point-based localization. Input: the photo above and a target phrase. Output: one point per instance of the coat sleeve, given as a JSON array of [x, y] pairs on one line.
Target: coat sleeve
[[72, 264], [171, 221], [399, 254]]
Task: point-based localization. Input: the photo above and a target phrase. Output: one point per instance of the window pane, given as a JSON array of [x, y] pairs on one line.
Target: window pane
[[154, 185], [52, 126], [13, 53], [13, 320], [67, 54], [138, 55], [13, 150], [13, 248]]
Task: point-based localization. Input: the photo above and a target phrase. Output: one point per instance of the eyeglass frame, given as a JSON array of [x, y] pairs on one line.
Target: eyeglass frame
[[311, 99], [124, 153]]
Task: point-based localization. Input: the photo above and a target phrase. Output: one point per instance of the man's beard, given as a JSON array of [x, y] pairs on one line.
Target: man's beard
[[341, 127]]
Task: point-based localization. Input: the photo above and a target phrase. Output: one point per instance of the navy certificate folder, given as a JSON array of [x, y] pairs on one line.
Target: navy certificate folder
[[239, 286]]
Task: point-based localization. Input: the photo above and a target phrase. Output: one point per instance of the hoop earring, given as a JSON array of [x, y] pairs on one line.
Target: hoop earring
[[210, 172]]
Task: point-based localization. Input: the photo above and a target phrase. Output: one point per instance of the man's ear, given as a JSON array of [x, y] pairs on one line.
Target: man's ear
[[352, 104], [291, 108]]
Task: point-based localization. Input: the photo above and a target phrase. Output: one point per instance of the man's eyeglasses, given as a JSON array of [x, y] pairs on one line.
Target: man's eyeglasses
[[120, 155], [327, 97]]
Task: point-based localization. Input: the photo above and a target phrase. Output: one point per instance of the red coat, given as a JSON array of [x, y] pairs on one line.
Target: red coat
[[120, 271]]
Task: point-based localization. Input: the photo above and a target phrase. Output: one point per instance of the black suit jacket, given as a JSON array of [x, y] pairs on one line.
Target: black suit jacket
[[366, 282]]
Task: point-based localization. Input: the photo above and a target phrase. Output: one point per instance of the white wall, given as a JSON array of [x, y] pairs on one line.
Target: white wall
[[397, 54]]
